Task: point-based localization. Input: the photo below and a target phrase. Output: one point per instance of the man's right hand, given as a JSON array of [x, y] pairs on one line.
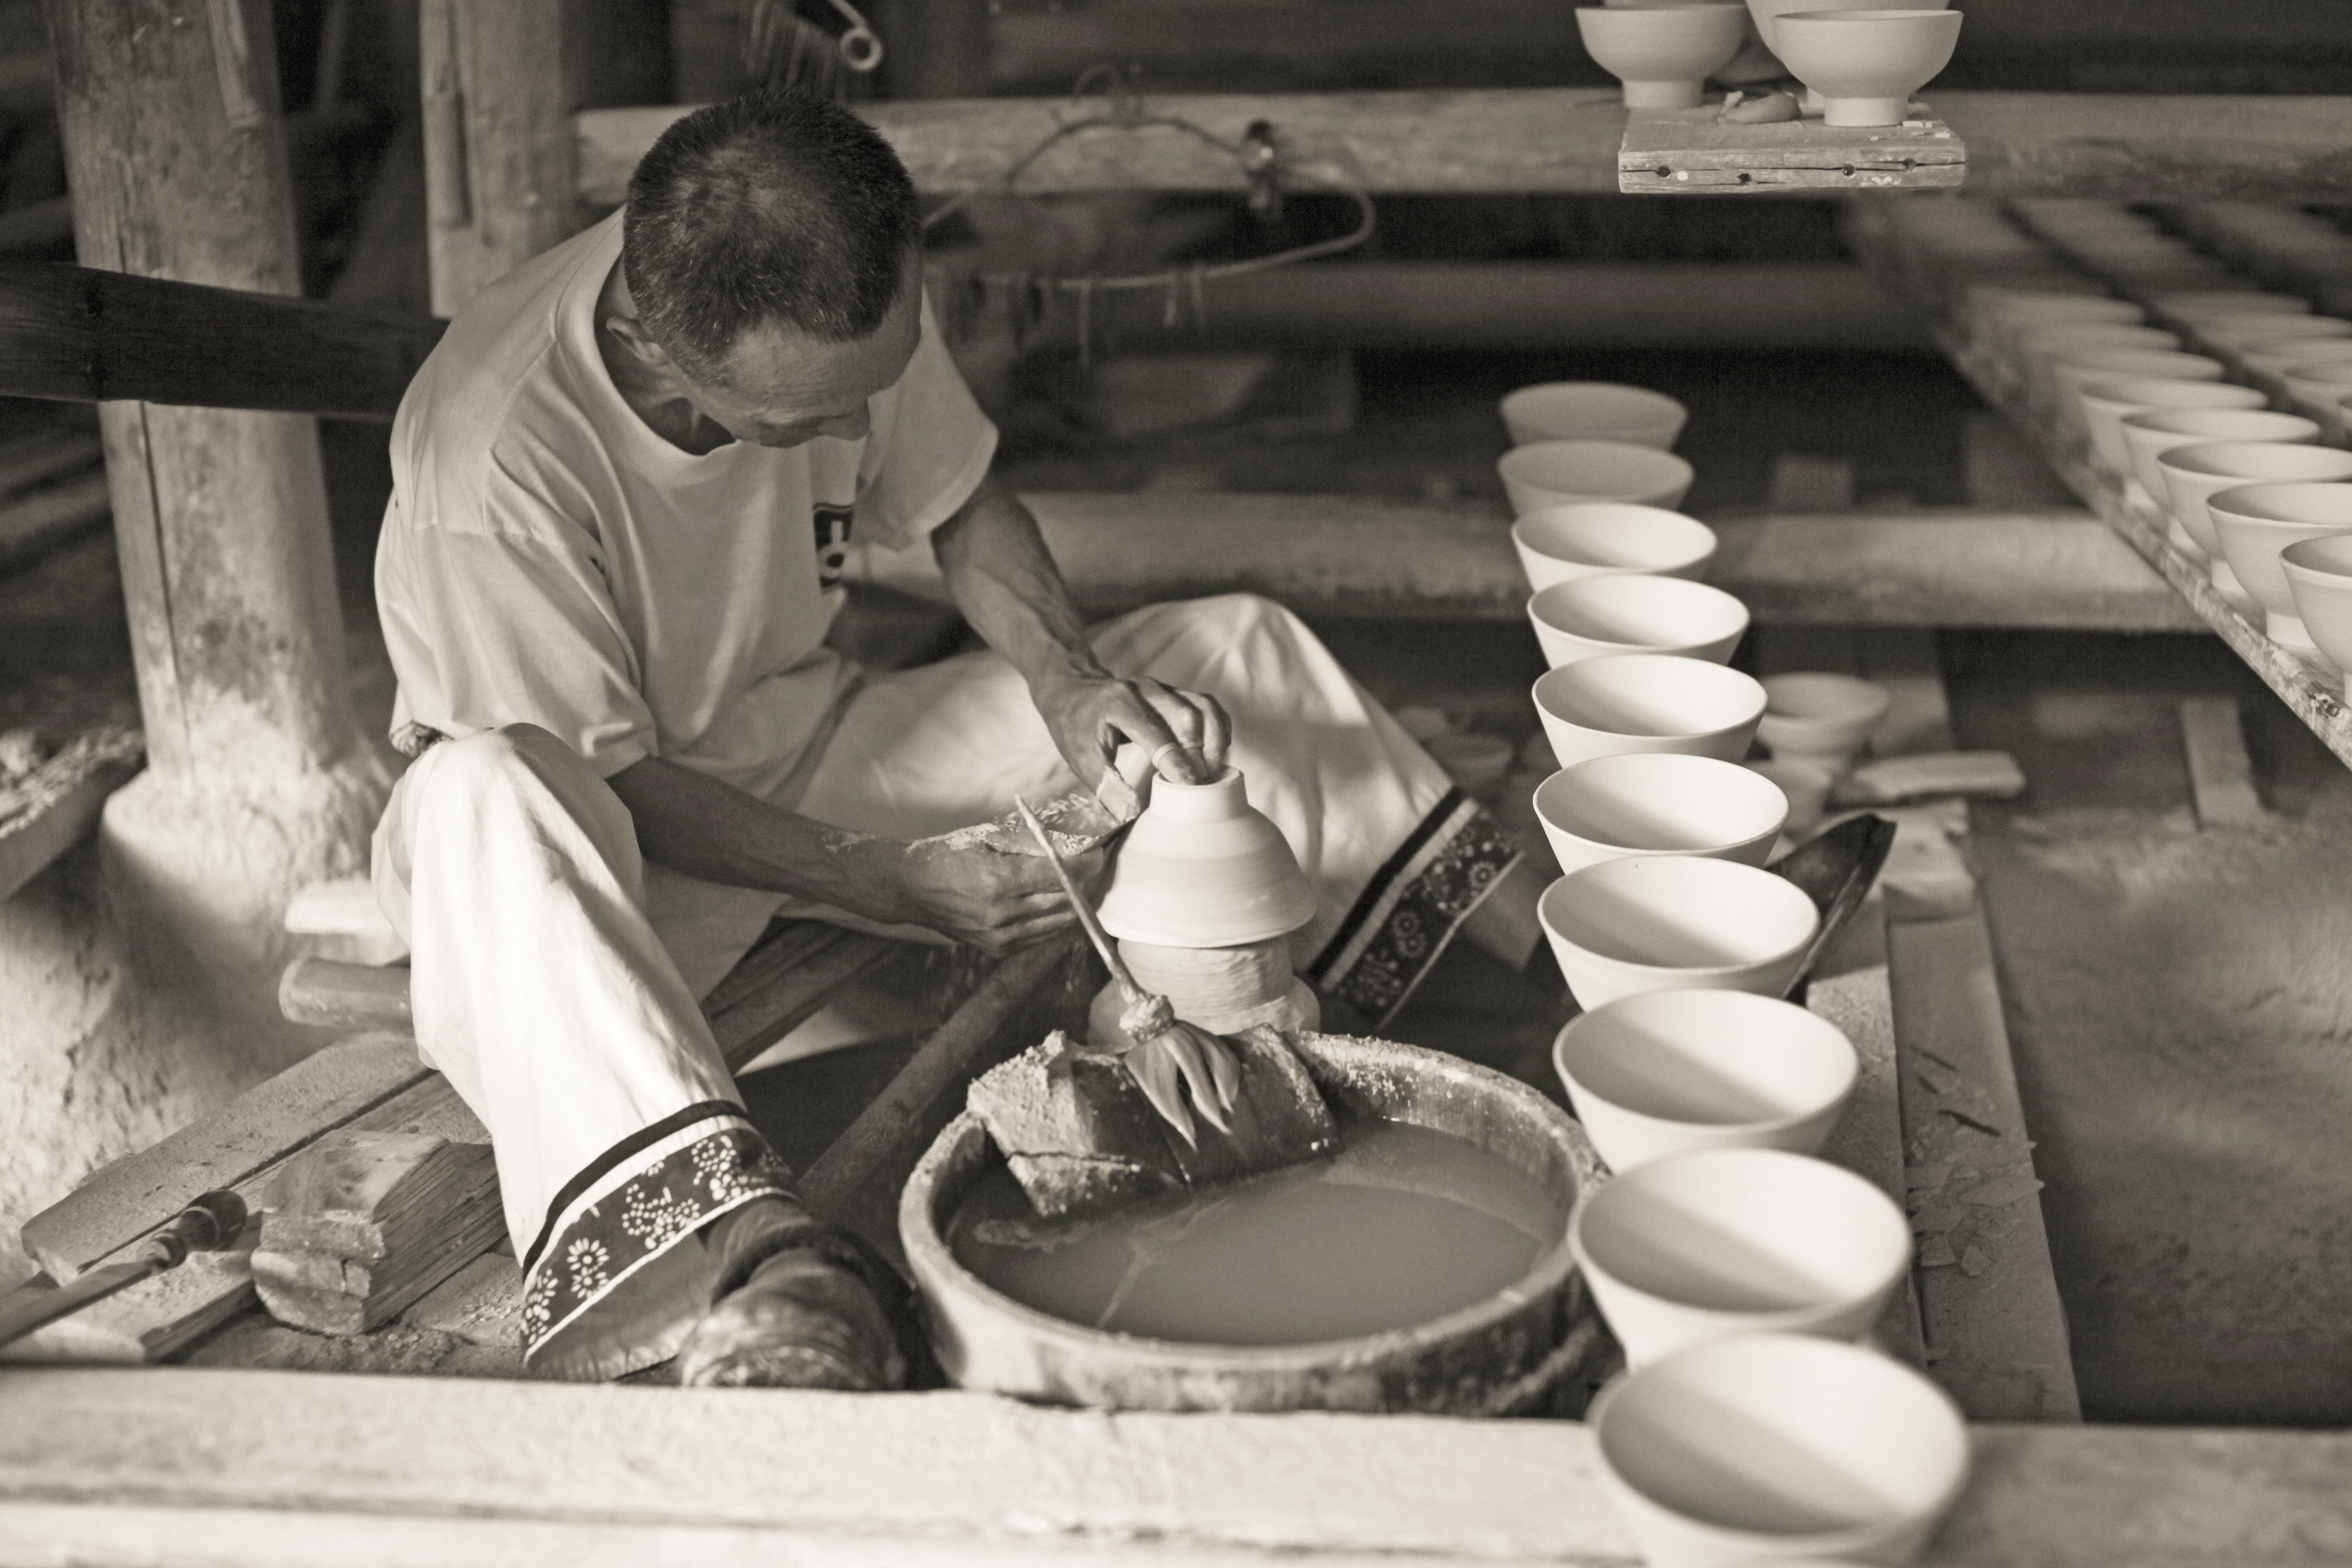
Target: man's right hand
[[996, 902]]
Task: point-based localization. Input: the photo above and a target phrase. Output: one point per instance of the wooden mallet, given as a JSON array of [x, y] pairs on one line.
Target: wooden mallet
[[210, 1223]]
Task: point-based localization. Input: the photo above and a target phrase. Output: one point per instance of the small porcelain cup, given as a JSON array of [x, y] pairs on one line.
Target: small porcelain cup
[[1596, 538], [2192, 473], [1821, 716], [2107, 403], [2041, 345], [1662, 55], [1648, 702], [2153, 432], [2317, 390], [1594, 410], [1775, 1448], [2255, 522], [1866, 64], [1666, 1071], [1586, 617], [1806, 784], [1709, 1242], [2319, 576], [1554, 473], [1658, 923], [2269, 361], [1659, 803]]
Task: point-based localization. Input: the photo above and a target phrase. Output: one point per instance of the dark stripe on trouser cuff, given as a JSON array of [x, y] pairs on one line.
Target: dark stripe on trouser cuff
[[619, 1154], [1317, 972]]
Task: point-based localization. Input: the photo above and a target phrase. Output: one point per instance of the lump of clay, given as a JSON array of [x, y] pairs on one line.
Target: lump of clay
[[1762, 109], [1076, 1128]]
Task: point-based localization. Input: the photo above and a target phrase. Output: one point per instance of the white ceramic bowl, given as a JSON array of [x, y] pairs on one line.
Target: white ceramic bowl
[[1997, 319], [1594, 538], [2040, 343], [2192, 473], [2070, 371], [1660, 923], [1554, 473], [1594, 410], [2268, 361], [1738, 1241], [2317, 390], [1666, 1072], [2255, 522], [1821, 716], [2229, 337], [2319, 576], [2153, 432], [1663, 55], [1647, 702], [1659, 803], [1807, 785], [2189, 306], [1586, 617], [1203, 868], [1774, 1448], [1768, 12], [1866, 64], [2107, 403]]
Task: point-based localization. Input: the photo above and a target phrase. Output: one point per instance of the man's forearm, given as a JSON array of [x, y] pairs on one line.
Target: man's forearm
[[1004, 578], [698, 825]]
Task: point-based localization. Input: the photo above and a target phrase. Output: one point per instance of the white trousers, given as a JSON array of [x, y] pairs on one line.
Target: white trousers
[[556, 976]]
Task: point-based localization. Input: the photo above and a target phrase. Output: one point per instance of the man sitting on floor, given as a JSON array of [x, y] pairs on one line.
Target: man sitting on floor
[[624, 489]]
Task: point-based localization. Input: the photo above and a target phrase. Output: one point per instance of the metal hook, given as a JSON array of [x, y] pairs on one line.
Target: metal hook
[[1261, 161]]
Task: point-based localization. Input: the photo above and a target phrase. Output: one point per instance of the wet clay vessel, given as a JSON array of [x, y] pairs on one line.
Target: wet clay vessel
[[1202, 868]]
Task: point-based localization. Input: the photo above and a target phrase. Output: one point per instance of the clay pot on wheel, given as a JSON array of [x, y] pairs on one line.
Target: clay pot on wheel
[[1202, 868]]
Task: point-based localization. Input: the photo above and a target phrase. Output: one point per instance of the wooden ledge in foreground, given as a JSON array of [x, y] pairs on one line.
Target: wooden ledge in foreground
[[1346, 556], [175, 1466]]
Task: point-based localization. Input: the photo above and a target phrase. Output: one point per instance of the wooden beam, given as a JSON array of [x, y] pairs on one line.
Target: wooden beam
[[1344, 555], [180, 1466], [78, 334], [46, 813], [1556, 141]]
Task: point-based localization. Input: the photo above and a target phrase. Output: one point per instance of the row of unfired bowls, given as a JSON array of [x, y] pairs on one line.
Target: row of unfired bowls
[[2257, 493], [1863, 62]]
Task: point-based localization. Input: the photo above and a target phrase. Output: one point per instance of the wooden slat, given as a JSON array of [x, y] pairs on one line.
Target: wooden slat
[[1689, 152], [1562, 141], [47, 813], [82, 335], [175, 1466]]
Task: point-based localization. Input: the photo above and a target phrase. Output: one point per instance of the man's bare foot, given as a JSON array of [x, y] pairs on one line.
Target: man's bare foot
[[801, 1320]]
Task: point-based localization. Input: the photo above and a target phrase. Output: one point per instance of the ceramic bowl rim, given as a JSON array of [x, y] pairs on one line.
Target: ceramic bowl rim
[[2196, 438], [1520, 535], [1853, 1064], [1707, 594], [1543, 918], [1544, 710], [1674, 760], [2318, 576], [2214, 503]]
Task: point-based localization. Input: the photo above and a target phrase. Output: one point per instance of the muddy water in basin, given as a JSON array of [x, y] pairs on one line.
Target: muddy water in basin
[[1401, 1227]]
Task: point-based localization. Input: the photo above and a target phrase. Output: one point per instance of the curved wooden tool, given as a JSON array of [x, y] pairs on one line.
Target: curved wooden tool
[[1835, 871], [210, 1224]]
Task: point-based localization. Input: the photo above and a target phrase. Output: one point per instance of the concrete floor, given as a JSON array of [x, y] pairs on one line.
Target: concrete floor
[[2178, 1022]]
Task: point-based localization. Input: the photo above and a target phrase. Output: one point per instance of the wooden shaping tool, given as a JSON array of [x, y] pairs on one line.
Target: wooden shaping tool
[[213, 1222]]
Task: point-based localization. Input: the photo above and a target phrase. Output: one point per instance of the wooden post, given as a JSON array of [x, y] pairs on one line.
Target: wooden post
[[259, 780]]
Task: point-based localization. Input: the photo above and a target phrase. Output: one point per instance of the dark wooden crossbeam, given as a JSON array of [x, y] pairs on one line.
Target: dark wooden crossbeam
[[76, 334]]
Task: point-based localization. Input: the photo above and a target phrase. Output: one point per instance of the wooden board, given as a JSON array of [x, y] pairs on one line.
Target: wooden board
[[1561, 140], [46, 813], [1689, 152], [81, 335], [173, 1466]]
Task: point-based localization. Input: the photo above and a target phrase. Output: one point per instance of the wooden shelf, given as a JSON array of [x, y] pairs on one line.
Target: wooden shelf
[[2315, 691], [1689, 152]]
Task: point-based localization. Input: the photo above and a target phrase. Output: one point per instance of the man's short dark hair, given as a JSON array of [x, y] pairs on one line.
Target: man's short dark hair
[[772, 207]]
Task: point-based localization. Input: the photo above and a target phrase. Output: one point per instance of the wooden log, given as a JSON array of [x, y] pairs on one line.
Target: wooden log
[[176, 1466], [80, 335], [1561, 140], [47, 813], [334, 994]]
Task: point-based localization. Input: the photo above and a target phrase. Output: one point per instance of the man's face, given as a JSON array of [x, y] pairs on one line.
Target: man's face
[[780, 387]]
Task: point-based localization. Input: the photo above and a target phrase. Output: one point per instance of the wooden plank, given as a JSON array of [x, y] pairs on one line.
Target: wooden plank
[[175, 1466], [1346, 556], [1512, 141], [47, 813], [78, 334], [1996, 1329], [1690, 151], [2221, 775]]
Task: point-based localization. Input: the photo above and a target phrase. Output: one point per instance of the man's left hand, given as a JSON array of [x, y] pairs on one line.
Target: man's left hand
[[1090, 716]]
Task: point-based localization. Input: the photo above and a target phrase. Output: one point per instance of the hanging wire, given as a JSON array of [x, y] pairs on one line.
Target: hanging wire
[[1127, 112]]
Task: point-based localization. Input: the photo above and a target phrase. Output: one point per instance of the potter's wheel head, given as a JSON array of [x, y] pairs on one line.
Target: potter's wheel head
[[1202, 868]]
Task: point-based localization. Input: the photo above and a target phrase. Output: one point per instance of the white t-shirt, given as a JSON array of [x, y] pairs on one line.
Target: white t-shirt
[[548, 559]]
